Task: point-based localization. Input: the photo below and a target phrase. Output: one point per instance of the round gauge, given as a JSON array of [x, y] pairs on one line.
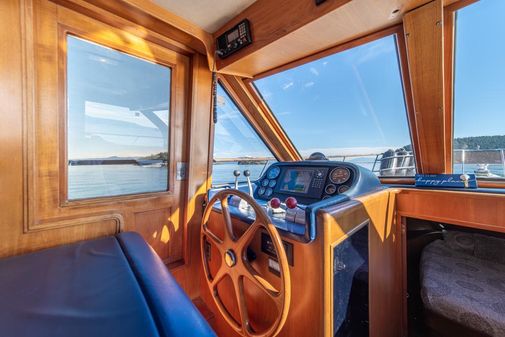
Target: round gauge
[[265, 182], [268, 192], [273, 172], [340, 175], [343, 188], [272, 183], [261, 191], [326, 197], [330, 189]]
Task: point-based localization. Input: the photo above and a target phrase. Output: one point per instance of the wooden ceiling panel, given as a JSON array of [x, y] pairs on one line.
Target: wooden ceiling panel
[[348, 22]]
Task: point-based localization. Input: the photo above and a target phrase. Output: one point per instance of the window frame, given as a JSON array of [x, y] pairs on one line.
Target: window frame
[[396, 31], [450, 14], [163, 59], [220, 80]]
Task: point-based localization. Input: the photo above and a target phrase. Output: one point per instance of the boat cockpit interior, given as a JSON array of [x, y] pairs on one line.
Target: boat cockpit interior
[[252, 168]]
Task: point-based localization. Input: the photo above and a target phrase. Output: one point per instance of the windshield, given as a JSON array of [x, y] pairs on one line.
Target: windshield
[[236, 145], [479, 101], [349, 106]]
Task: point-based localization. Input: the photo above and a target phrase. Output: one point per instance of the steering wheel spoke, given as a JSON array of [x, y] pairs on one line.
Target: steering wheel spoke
[[220, 274], [248, 235], [238, 285], [225, 209], [213, 237]]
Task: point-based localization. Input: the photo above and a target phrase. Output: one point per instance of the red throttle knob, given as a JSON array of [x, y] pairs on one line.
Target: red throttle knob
[[275, 203], [291, 202]]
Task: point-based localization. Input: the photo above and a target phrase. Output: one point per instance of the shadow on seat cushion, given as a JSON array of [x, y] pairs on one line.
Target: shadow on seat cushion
[[463, 288]]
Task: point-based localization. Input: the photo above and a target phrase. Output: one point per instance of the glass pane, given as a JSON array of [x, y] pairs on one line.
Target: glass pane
[[349, 106], [479, 90], [118, 115], [237, 146]]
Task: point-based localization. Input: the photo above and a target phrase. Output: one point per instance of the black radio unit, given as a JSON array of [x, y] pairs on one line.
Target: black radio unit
[[234, 39]]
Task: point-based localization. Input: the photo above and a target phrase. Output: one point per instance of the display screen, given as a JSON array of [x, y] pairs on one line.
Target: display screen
[[232, 36], [296, 180]]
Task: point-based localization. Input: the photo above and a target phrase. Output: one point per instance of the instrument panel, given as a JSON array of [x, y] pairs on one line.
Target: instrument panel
[[308, 182]]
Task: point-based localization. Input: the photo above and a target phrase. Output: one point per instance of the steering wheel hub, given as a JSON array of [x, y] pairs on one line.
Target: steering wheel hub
[[230, 258]]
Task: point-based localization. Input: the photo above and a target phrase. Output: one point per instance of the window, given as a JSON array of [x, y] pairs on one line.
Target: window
[[479, 90], [117, 120], [237, 146], [349, 105]]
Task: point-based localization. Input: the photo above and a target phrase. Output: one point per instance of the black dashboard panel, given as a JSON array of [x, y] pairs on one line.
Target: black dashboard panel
[[308, 181]]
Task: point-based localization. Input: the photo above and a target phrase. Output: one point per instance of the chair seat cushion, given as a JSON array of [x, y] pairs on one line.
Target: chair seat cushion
[[464, 288]]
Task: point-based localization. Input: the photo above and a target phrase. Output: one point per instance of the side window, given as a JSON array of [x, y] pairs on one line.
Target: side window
[[117, 122], [237, 146], [479, 91]]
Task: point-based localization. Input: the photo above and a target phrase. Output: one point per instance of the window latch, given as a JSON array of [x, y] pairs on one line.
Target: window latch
[[181, 171]]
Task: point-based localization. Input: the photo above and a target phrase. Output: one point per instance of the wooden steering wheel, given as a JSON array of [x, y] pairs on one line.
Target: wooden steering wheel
[[233, 251]]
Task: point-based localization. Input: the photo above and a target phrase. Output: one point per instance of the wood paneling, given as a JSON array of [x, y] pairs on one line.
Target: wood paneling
[[161, 233], [470, 209], [424, 39]]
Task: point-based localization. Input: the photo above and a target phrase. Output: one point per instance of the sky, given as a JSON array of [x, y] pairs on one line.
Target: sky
[[117, 103], [479, 102], [350, 102]]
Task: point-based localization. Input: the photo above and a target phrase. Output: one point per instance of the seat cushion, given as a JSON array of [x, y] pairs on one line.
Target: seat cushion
[[84, 289], [462, 287], [115, 286]]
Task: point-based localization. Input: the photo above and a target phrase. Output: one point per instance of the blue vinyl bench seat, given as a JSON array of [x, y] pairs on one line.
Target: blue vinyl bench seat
[[114, 286]]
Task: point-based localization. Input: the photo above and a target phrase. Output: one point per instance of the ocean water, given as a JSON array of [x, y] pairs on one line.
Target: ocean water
[[222, 173], [91, 181]]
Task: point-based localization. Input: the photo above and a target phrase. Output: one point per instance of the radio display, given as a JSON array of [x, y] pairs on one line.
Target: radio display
[[296, 180], [232, 36]]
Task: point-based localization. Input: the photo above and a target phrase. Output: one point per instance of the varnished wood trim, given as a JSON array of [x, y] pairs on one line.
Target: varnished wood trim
[[424, 40], [28, 107], [491, 183], [448, 85], [184, 35], [458, 5], [409, 100], [96, 220], [398, 180]]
